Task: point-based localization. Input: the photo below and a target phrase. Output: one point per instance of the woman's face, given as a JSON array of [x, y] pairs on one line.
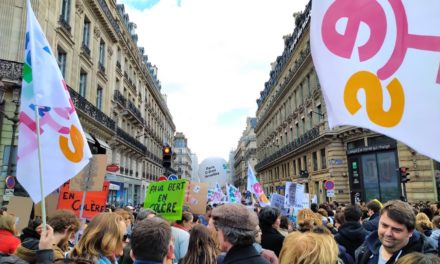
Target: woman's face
[[277, 223], [119, 251]]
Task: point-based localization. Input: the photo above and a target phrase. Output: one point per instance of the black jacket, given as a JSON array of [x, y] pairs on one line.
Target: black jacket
[[351, 235], [373, 223], [242, 255], [368, 253], [43, 257], [272, 239]]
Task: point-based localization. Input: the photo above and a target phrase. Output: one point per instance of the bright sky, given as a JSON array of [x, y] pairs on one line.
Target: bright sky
[[213, 58]]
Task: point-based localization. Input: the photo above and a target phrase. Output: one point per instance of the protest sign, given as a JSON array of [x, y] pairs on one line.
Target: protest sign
[[290, 195], [94, 203], [233, 193], [51, 205], [198, 197], [277, 200], [166, 198], [91, 178], [21, 207]]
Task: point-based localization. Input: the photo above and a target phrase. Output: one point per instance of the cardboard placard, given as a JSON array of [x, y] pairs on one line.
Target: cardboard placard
[[21, 207], [94, 203], [51, 205], [166, 198], [198, 197], [95, 170]]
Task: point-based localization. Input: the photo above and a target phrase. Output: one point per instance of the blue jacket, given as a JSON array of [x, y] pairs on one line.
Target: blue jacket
[[368, 252], [373, 223]]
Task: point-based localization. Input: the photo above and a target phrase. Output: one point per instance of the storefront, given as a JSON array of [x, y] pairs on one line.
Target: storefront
[[373, 169], [128, 193]]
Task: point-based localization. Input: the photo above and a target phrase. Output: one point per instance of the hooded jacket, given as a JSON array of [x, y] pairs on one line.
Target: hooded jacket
[[368, 253], [351, 235]]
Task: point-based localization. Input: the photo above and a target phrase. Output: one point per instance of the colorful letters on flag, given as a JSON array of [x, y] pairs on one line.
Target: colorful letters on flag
[[64, 147], [255, 187], [378, 63], [234, 195]]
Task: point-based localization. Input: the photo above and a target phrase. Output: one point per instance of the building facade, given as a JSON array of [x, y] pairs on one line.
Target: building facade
[[112, 85], [245, 154], [183, 162], [294, 142], [195, 167]]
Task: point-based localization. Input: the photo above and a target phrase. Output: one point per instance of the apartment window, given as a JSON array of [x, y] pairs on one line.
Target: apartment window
[[310, 120], [99, 98], [323, 160], [83, 83], [86, 33], [62, 58], [305, 163], [319, 111], [65, 11], [303, 125], [297, 130], [315, 161], [294, 167], [102, 53]]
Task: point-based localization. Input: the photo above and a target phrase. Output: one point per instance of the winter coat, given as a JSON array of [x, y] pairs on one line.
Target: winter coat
[[8, 242], [272, 239], [43, 257], [344, 256], [373, 223], [368, 252], [351, 235], [242, 255], [29, 246]]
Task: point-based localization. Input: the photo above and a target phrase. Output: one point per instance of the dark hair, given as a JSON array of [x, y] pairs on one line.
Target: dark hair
[[314, 207], [267, 217], [186, 216], [150, 239], [63, 219], [373, 206], [401, 212], [284, 222], [340, 218], [201, 248], [144, 213], [352, 213]]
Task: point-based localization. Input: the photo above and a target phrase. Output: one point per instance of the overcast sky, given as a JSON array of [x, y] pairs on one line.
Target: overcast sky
[[213, 58]]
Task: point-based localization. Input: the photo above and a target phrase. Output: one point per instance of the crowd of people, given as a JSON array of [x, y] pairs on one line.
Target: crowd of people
[[395, 232]]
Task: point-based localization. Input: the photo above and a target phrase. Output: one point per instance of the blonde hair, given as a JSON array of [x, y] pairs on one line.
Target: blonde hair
[[417, 257], [103, 235], [303, 248], [423, 222], [307, 219], [7, 222]]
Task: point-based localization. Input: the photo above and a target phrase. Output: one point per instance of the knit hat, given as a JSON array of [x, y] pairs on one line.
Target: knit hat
[[235, 216]]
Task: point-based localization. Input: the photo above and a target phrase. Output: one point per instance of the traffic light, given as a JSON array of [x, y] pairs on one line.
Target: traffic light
[[166, 159], [404, 174]]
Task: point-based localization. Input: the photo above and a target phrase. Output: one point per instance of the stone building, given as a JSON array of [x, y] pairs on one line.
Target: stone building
[[245, 154], [294, 142], [183, 162], [114, 87]]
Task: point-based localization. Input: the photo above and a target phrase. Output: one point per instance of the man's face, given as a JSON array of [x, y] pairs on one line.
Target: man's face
[[393, 235]]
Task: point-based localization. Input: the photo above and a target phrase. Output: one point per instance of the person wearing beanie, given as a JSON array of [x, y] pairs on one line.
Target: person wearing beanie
[[236, 226], [269, 218]]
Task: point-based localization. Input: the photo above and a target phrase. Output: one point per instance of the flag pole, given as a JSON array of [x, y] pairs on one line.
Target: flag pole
[[40, 169]]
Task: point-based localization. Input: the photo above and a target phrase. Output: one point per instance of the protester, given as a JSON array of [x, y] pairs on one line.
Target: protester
[[351, 234], [418, 258], [65, 224], [102, 240], [343, 255], [423, 224], [373, 212], [9, 242], [186, 222], [284, 226], [236, 227], [30, 238], [204, 219], [202, 248], [309, 247], [269, 219], [181, 240], [339, 220], [151, 242], [145, 213], [435, 235], [395, 237], [307, 219]]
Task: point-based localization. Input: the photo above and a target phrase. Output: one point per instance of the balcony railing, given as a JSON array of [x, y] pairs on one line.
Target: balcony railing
[[86, 49], [64, 23], [89, 109], [291, 147], [135, 111], [101, 68], [131, 140], [120, 98]]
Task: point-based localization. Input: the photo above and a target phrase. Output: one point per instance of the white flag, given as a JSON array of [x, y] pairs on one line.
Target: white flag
[[255, 187], [378, 65], [64, 147]]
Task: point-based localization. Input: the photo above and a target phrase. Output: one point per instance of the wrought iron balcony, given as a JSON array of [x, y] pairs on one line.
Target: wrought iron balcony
[[133, 109], [101, 68], [131, 140], [85, 48], [118, 64], [120, 98], [89, 109], [291, 147]]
